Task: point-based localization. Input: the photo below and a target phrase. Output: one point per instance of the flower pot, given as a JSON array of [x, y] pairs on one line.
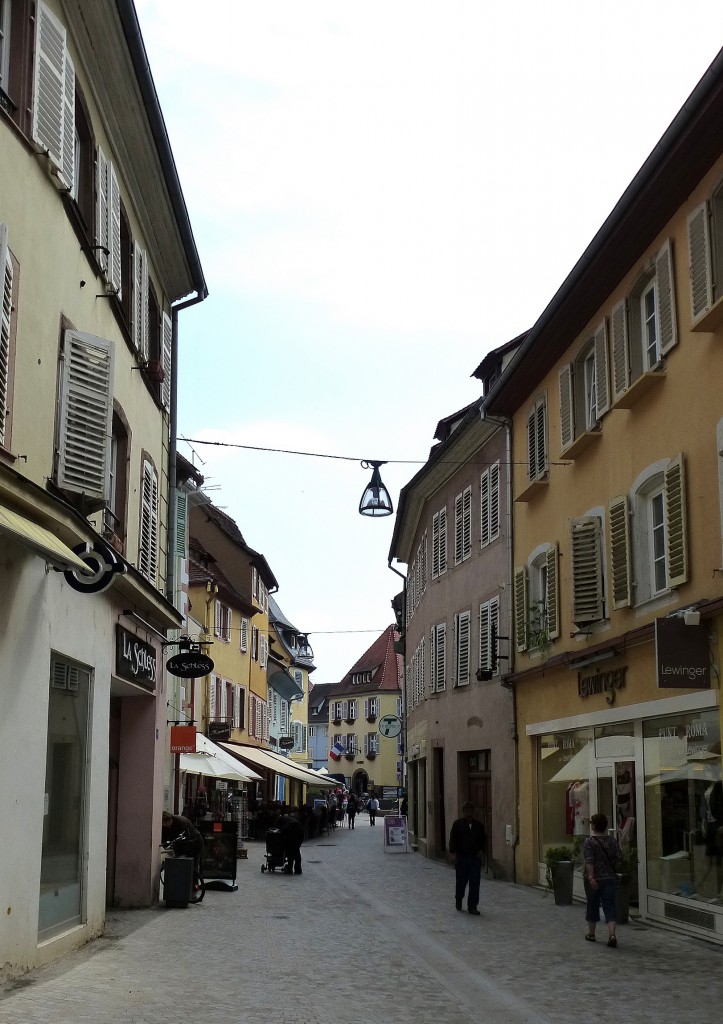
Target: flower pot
[[562, 876]]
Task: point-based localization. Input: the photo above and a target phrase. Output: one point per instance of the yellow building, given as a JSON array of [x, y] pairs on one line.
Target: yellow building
[[614, 400]]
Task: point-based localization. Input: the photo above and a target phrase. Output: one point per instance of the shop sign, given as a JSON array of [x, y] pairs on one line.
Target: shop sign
[[188, 665], [219, 730], [183, 739], [286, 742], [682, 657], [135, 660], [602, 682]]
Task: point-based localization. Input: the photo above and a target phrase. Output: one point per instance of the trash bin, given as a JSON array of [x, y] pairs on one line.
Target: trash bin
[[177, 881]]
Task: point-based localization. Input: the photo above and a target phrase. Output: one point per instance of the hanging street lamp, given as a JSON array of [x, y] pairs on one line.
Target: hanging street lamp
[[375, 500]]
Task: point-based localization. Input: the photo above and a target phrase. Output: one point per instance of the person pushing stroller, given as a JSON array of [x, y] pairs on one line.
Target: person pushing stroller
[[292, 836]]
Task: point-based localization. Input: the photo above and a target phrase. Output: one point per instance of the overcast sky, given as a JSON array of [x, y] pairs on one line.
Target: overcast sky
[[382, 192]]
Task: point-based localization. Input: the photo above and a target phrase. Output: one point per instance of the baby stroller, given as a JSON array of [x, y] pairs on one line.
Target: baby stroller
[[275, 856]]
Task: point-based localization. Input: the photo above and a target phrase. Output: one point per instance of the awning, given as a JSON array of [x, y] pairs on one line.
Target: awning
[[280, 765], [39, 540], [212, 761]]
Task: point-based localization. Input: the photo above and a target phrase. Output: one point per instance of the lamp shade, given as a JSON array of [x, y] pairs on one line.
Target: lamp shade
[[375, 501]]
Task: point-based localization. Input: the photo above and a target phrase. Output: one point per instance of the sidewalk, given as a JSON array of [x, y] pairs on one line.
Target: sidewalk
[[364, 936]]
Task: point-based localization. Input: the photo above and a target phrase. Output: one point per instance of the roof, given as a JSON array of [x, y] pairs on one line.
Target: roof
[[230, 528], [381, 659], [203, 567], [684, 154], [278, 619]]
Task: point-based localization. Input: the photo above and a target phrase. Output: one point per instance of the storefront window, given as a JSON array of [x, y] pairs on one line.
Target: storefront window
[[684, 805], [565, 764]]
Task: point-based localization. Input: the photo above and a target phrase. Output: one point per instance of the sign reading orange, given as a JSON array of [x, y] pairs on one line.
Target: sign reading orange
[[183, 739]]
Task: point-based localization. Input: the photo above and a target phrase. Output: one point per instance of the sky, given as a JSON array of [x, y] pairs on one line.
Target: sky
[[380, 194]]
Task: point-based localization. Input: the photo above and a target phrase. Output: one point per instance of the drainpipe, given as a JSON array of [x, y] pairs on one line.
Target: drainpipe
[[403, 633]]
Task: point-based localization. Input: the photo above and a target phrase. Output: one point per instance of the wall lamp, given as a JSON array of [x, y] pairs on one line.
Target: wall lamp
[[375, 500], [593, 659]]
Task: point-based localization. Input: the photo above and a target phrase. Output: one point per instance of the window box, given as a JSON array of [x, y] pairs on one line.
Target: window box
[[533, 488], [336, 721], [711, 320], [647, 381], [581, 444], [349, 721], [154, 371], [371, 718], [371, 754], [350, 755]]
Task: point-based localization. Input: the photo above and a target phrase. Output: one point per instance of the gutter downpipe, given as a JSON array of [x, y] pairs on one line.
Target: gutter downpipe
[[506, 423], [404, 676]]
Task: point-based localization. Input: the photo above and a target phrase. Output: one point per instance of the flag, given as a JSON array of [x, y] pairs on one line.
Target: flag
[[336, 751]]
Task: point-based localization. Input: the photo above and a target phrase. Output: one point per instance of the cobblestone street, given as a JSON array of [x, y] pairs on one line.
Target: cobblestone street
[[366, 936]]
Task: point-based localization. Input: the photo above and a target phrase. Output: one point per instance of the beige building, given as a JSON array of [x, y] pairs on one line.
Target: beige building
[[96, 258], [614, 398]]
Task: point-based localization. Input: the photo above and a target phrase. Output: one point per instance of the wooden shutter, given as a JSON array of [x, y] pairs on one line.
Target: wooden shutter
[[262, 656], [6, 312], [602, 370], [462, 648], [237, 707], [458, 529], [212, 697], [255, 643], [148, 546], [620, 554], [115, 272], [520, 602], [244, 636], [699, 262], [621, 353], [531, 447], [68, 165], [587, 596], [567, 407], [494, 501], [467, 523], [666, 299], [49, 86], [441, 656], [86, 414], [223, 702], [442, 540], [552, 597], [676, 524], [101, 211], [488, 617], [140, 300], [181, 522], [484, 508], [167, 328], [541, 438]]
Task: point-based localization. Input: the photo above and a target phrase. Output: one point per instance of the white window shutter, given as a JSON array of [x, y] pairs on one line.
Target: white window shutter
[[167, 358], [552, 597], [463, 636], [148, 541], [237, 707], [101, 214], [181, 522], [621, 354], [224, 707], [666, 299], [484, 508], [140, 300], [494, 501], [602, 370], [49, 85], [212, 697], [485, 636], [699, 262], [676, 522], [620, 554], [585, 547], [567, 408], [467, 523], [68, 164], [217, 619], [440, 671], [458, 528], [115, 273], [244, 636], [6, 312], [442, 540], [86, 414], [520, 605]]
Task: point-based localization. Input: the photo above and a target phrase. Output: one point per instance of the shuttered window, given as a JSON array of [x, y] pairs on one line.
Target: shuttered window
[[6, 333], [167, 342], [255, 643], [463, 526], [489, 613], [244, 636], [85, 416], [181, 522], [520, 603], [462, 648], [148, 540], [537, 440], [587, 582], [438, 657], [620, 555], [676, 548], [620, 350], [490, 504], [53, 124], [439, 543], [140, 301], [552, 592]]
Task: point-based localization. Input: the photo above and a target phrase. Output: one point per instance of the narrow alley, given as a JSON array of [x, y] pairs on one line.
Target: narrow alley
[[366, 936]]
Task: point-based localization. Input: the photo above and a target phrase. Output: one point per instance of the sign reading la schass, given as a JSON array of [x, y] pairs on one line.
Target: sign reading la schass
[[135, 660], [682, 654]]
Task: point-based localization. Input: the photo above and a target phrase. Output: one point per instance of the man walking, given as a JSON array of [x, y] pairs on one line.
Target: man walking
[[466, 846], [373, 808]]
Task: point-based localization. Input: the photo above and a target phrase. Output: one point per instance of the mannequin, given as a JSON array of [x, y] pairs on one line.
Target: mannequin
[[713, 827]]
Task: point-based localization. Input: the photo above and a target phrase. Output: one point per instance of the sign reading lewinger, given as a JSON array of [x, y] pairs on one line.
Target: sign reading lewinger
[[135, 660], [602, 682], [682, 656]]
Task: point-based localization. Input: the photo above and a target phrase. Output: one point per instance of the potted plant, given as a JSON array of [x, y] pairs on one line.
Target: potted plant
[[538, 638], [560, 867]]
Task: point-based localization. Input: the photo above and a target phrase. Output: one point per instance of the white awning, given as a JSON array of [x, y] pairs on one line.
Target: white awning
[[39, 540], [212, 761], [281, 765]]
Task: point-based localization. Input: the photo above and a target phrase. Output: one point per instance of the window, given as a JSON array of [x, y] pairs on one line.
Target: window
[[537, 466], [8, 325], [351, 743], [439, 543], [244, 636], [82, 191], [462, 648], [222, 622], [489, 613], [255, 643], [239, 706], [53, 124], [588, 604], [584, 389], [139, 322], [263, 649], [399, 707], [650, 547], [4, 44], [371, 743], [312, 732], [148, 535], [438, 664], [371, 707], [537, 600], [114, 515], [644, 328], [353, 707], [85, 417], [705, 255], [463, 526], [489, 489]]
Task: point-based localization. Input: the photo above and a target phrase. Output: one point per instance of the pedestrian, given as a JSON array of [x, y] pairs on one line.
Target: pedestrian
[[292, 836], [373, 808], [351, 809], [466, 847], [405, 806], [600, 852], [344, 807], [183, 837]]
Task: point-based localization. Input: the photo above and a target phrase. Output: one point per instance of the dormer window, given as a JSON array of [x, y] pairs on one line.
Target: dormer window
[[359, 678]]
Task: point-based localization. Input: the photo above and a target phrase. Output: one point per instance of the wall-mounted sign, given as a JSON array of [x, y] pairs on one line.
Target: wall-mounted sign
[[135, 660], [183, 739], [218, 730], [682, 656], [602, 682], [390, 726], [188, 665], [103, 563], [286, 742]]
